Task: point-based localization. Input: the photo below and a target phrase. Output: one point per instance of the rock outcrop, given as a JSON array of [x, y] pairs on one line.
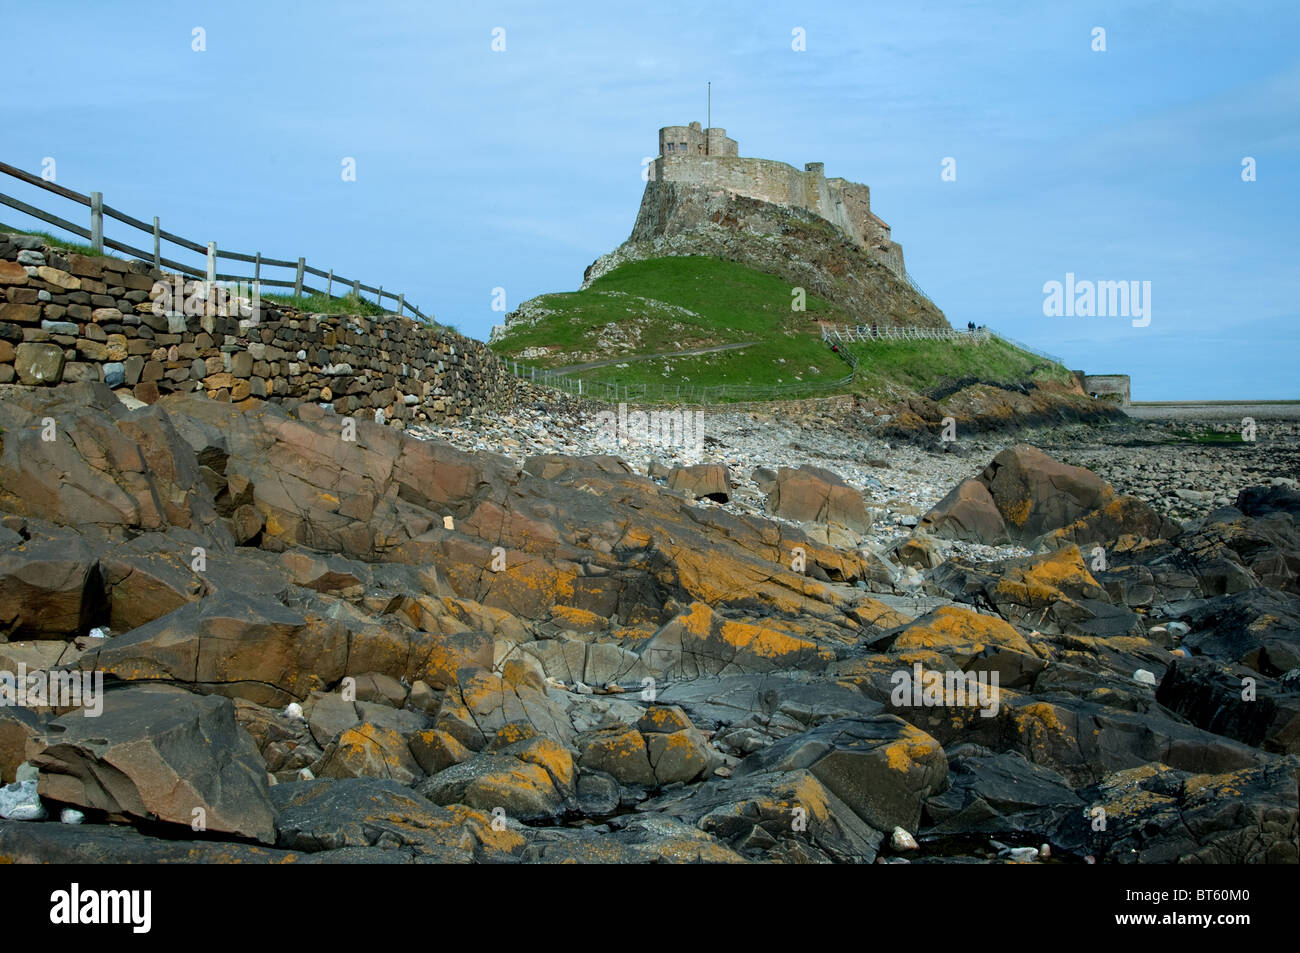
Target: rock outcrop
[[338, 645]]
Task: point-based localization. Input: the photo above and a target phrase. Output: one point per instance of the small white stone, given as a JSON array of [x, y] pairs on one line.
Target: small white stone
[[70, 815], [304, 774], [1143, 677], [902, 840], [294, 710]]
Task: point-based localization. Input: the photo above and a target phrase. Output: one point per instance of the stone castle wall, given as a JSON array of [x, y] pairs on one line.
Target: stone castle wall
[[693, 140], [845, 204], [67, 317]]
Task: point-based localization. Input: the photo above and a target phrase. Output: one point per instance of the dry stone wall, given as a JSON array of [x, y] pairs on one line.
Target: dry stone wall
[[67, 317]]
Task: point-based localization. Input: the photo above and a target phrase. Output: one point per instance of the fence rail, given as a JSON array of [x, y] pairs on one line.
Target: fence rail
[[98, 242], [864, 333], [1025, 347]]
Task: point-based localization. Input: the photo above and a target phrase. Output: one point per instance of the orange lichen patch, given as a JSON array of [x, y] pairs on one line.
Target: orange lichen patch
[[530, 780], [927, 658], [955, 629], [875, 613], [551, 756], [1017, 513], [366, 746], [636, 537], [696, 620], [1207, 787], [765, 642], [515, 731], [529, 588], [811, 796], [1049, 580], [634, 633], [580, 620], [913, 746], [663, 719], [1119, 643], [625, 744], [1043, 714], [437, 659], [691, 849], [505, 840], [475, 615], [272, 525]]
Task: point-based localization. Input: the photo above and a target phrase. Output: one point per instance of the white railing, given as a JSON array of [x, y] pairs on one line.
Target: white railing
[[865, 333]]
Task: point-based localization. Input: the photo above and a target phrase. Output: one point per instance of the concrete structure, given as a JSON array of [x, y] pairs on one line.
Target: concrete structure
[[708, 159], [1112, 387]]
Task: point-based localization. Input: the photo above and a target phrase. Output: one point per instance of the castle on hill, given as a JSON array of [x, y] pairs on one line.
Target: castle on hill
[[708, 158]]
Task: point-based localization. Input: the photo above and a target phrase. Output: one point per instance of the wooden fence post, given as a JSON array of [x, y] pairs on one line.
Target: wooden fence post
[[401, 304], [257, 272], [97, 222], [212, 263], [329, 284], [157, 244], [356, 289], [297, 281]]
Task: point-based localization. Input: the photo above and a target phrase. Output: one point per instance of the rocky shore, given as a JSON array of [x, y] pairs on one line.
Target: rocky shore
[[804, 635]]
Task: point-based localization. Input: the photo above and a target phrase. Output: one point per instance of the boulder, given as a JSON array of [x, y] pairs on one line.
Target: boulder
[[38, 363], [158, 754], [50, 588], [328, 815], [814, 495], [969, 513], [250, 647], [881, 767], [704, 481]]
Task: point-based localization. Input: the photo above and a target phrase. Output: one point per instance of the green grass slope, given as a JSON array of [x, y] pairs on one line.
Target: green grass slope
[[662, 306], [932, 368], [666, 305]]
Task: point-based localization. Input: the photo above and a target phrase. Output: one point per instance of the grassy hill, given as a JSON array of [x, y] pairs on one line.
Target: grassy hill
[[933, 368], [634, 321]]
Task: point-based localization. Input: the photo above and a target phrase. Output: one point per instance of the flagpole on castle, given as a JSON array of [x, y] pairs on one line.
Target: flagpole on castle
[[710, 112]]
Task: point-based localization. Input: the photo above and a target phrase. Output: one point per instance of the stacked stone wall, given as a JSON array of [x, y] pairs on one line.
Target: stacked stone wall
[[67, 317]]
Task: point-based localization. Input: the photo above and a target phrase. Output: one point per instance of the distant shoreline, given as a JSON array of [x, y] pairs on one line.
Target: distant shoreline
[[1214, 409], [1208, 403]]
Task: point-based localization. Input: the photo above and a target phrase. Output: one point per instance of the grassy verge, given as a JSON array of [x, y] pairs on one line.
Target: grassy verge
[[677, 304], [75, 248], [931, 366], [670, 304], [319, 304]]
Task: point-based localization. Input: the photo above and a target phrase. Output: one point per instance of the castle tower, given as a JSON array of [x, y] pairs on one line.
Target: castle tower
[[693, 140]]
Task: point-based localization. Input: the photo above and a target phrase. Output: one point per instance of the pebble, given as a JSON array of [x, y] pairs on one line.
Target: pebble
[[902, 840]]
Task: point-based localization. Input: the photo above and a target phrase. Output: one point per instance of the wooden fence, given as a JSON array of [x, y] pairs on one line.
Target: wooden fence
[[865, 332], [98, 242]]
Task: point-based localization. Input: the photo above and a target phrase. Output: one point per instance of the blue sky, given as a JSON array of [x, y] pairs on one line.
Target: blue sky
[[478, 169]]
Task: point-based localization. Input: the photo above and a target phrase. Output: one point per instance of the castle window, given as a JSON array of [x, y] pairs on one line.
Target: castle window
[[682, 147], [670, 147]]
